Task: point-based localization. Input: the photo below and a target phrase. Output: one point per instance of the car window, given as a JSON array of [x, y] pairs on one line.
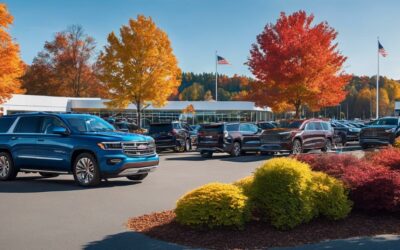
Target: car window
[[244, 127], [232, 127], [159, 128], [326, 126], [49, 123], [388, 121], [5, 123], [318, 126], [28, 124], [253, 128], [176, 125], [310, 126]]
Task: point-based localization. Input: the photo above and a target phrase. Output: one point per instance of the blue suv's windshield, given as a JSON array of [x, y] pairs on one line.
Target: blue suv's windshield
[[89, 124]]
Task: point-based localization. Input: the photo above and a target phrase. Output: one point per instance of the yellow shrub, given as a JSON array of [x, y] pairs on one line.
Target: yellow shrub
[[330, 196], [213, 205], [245, 184], [282, 192], [396, 143]]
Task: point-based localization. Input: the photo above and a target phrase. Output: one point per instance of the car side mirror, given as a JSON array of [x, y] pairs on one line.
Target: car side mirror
[[59, 131], [259, 130]]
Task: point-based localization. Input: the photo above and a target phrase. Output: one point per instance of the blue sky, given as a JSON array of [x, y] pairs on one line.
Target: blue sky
[[197, 28]]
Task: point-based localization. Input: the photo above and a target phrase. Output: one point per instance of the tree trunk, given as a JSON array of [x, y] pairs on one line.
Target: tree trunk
[[297, 106]]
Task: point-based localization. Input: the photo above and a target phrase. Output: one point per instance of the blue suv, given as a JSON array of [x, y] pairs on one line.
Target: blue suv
[[83, 145]]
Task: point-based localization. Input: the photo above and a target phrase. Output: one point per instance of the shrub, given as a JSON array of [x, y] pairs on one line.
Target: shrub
[[389, 157], [213, 205], [396, 143], [282, 194], [333, 164], [245, 184], [330, 196], [374, 188]]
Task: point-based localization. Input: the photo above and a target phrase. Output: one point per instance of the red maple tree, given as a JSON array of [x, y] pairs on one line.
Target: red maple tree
[[297, 64]]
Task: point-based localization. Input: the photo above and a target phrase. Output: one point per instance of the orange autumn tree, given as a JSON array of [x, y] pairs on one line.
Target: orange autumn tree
[[139, 67], [189, 109], [11, 65], [297, 64]]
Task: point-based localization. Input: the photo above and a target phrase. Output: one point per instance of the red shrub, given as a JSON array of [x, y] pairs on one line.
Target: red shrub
[[389, 157], [374, 189], [332, 164]]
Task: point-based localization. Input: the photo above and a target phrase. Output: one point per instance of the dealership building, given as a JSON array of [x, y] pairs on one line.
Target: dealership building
[[205, 111]]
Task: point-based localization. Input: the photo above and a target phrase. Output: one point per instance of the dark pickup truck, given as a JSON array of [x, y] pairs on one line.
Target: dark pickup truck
[[232, 138], [383, 131]]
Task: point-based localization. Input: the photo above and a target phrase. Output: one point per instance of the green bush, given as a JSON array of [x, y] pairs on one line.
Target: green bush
[[282, 192], [245, 184], [330, 196], [213, 205]]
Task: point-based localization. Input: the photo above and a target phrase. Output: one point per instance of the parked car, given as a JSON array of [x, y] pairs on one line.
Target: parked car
[[171, 135], [298, 136], [345, 132], [383, 131], [266, 125], [85, 146], [232, 138]]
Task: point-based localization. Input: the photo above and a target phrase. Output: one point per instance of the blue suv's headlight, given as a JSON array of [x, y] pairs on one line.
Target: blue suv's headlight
[[110, 145], [152, 144]]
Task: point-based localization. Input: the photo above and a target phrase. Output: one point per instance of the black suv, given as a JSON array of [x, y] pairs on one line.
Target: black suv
[[171, 135], [383, 131], [233, 138], [345, 132]]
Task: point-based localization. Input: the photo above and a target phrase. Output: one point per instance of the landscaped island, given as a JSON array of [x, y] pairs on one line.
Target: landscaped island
[[287, 202]]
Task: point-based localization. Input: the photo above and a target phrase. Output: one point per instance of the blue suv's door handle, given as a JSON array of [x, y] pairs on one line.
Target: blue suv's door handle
[[40, 139], [14, 138]]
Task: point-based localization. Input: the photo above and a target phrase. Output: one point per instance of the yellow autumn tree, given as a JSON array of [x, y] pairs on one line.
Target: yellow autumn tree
[[139, 66], [11, 65], [189, 109]]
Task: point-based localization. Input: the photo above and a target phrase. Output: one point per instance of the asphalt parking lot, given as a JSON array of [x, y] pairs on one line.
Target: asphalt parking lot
[[54, 213]]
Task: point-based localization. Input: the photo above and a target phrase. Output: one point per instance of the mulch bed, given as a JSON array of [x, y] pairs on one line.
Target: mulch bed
[[257, 235]]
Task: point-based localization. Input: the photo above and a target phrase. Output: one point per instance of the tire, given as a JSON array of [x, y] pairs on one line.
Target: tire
[[86, 170], [188, 145], [206, 154], [48, 175], [236, 149], [297, 147], [328, 146], [8, 171], [138, 177], [343, 140]]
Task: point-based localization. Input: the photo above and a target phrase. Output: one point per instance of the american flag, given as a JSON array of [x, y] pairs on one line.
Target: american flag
[[221, 60], [381, 50]]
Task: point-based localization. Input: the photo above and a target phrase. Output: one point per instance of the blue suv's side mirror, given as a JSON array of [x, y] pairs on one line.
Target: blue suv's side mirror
[[59, 131]]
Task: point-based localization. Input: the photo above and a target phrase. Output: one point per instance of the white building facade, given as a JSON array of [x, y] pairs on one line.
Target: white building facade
[[206, 111]]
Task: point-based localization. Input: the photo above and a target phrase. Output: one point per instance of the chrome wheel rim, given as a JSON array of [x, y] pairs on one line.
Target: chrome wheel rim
[[296, 147], [84, 170], [4, 166], [236, 149]]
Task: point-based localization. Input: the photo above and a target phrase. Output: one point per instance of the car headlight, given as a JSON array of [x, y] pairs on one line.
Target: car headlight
[[392, 130], [285, 135], [354, 130], [152, 144], [110, 145]]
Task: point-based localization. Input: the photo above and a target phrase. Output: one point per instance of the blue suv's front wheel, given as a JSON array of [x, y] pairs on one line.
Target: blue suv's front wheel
[[86, 170]]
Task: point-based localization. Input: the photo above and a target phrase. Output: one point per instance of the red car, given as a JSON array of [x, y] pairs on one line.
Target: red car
[[298, 136]]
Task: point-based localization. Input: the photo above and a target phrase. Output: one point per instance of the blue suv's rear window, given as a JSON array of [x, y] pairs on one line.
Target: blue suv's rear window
[[5, 123], [28, 124]]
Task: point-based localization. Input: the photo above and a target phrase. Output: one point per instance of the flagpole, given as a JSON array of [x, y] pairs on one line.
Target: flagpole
[[377, 87], [216, 76]]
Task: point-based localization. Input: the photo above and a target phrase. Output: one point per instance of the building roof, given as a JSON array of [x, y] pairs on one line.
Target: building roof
[[65, 104]]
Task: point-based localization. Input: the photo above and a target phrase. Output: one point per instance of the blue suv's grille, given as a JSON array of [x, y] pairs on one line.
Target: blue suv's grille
[[138, 148]]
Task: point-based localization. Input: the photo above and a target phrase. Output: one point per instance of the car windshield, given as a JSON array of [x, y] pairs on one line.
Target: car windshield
[[89, 124], [388, 121], [290, 124]]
